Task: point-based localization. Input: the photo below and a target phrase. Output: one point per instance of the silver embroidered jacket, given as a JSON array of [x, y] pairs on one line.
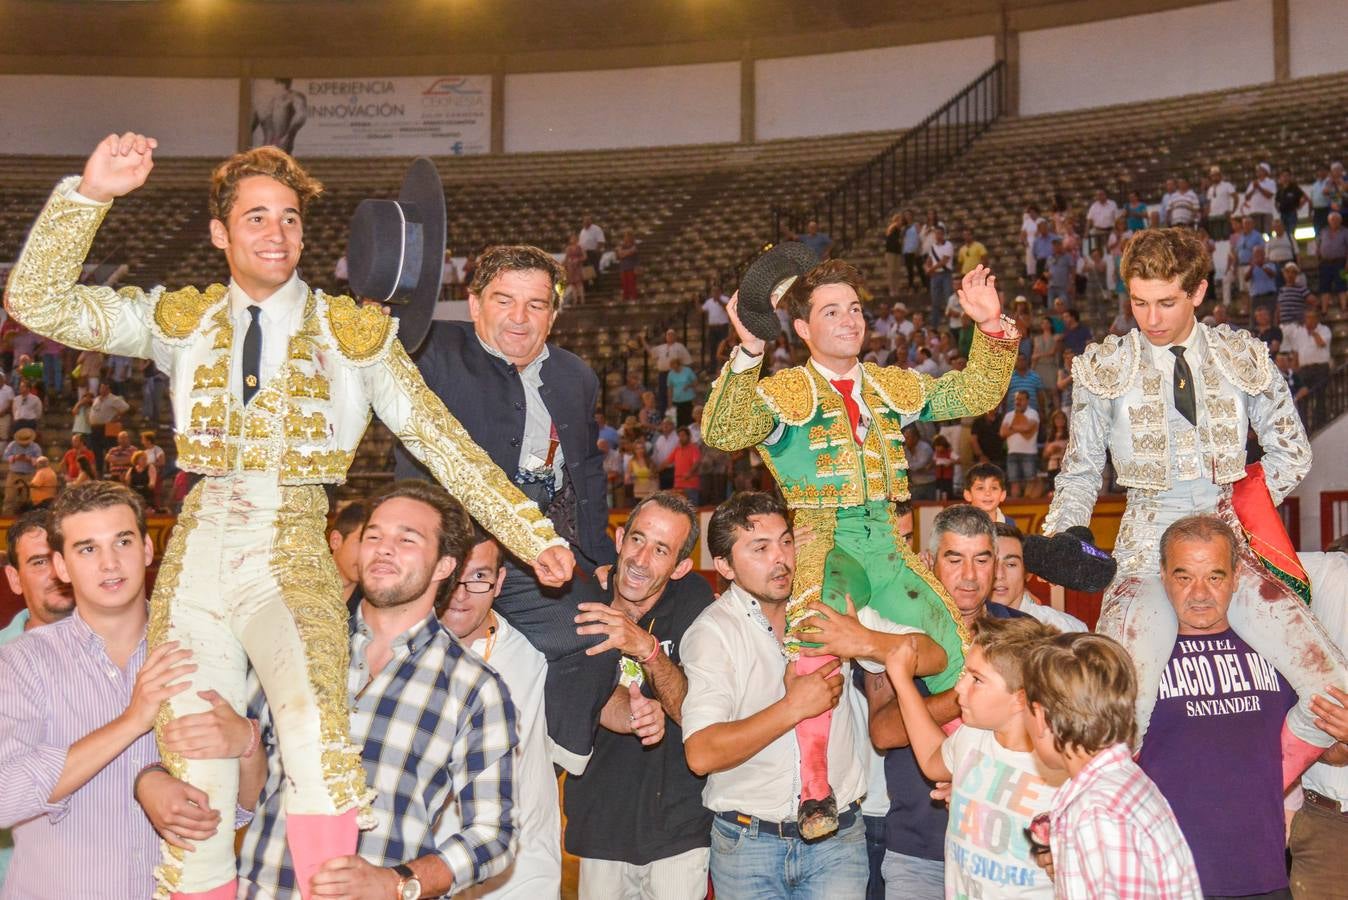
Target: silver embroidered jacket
[[1122, 404], [304, 424]]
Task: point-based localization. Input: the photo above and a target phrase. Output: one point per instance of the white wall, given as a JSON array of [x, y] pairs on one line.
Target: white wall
[[69, 114], [863, 90], [649, 107], [1184, 51], [1317, 37], [1328, 449]]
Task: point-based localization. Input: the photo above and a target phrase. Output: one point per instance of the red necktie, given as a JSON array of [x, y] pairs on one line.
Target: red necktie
[[844, 387]]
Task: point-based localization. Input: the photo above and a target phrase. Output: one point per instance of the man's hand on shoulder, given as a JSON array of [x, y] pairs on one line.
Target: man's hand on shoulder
[[118, 165]]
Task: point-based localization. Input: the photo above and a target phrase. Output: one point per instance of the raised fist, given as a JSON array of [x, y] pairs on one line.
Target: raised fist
[[118, 166]]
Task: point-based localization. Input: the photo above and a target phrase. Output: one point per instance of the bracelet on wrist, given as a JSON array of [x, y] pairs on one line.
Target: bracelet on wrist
[[655, 651], [254, 739]]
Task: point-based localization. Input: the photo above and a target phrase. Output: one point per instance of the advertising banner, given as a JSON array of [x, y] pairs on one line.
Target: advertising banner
[[448, 115]]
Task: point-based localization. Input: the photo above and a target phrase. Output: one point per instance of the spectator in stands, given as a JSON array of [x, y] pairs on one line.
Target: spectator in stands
[[1262, 281], [685, 462], [716, 321], [592, 241], [603, 430], [641, 476], [1061, 269], [53, 376], [971, 253], [1333, 252], [1136, 211], [879, 352], [662, 452], [1029, 229], [1063, 380], [985, 436], [117, 460], [1286, 362], [1258, 197], [1266, 331], [1293, 298], [1279, 250], [70, 460], [893, 253], [1167, 197], [1093, 273], [816, 240], [1100, 218], [1221, 201], [105, 415], [1230, 806], [1320, 194], [1076, 334], [140, 476], [1311, 342], [912, 251], [650, 415], [629, 265], [1184, 206], [1288, 201], [681, 382], [629, 395], [1020, 430], [88, 371], [985, 488], [466, 610], [153, 452], [1042, 247], [153, 387], [6, 408], [26, 408], [573, 261], [615, 464], [921, 464], [940, 272], [1025, 379], [44, 484], [663, 355], [119, 373]]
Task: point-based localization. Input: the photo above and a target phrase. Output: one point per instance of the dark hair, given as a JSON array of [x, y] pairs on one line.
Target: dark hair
[[984, 470], [33, 520], [734, 515], [454, 532], [517, 258], [832, 271], [88, 497], [1008, 530], [1087, 687], [675, 503], [902, 507], [349, 518], [271, 162]]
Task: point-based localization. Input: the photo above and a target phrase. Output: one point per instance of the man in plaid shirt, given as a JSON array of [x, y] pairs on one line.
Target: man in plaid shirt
[[436, 724], [1110, 832]]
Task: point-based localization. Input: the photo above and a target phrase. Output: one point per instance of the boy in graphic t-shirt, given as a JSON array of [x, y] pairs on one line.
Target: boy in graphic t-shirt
[[998, 785], [1213, 745]]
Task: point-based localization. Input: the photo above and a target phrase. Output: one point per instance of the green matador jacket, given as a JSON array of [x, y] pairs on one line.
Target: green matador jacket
[[810, 449]]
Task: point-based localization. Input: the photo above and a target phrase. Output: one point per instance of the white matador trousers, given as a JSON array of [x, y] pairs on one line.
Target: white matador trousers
[[247, 576], [1264, 611]]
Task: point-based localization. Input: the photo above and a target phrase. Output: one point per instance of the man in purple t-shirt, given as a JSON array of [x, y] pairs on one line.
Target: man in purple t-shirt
[[1213, 745]]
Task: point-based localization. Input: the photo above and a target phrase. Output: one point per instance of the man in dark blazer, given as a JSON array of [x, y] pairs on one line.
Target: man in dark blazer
[[530, 405]]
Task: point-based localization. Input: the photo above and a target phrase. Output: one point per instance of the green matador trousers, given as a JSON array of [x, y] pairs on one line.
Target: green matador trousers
[[857, 551]]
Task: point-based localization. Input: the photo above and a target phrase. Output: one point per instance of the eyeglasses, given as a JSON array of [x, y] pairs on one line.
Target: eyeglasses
[[477, 587]]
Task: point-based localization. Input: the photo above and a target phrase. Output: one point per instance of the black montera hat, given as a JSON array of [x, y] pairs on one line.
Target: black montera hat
[[395, 253], [766, 280]]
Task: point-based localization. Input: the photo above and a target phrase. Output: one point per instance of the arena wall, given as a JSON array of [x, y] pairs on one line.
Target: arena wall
[[67, 114], [1317, 37], [1165, 54], [864, 90], [645, 107]]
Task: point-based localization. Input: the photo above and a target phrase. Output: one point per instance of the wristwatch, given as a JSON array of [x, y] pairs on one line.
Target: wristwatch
[[409, 886]]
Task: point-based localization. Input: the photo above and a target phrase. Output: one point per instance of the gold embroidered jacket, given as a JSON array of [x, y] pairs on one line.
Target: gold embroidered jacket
[[798, 421], [305, 422]]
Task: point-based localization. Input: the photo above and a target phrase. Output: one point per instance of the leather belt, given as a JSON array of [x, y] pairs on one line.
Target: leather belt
[[1320, 801], [789, 829]]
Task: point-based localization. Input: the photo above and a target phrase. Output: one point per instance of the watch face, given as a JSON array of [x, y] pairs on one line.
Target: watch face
[[411, 888]]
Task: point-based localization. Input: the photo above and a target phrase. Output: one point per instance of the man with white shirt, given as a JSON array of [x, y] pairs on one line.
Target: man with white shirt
[[1310, 342], [6, 408], [1141, 399], [1100, 217], [739, 716], [1221, 197], [1008, 585], [1258, 197], [591, 239], [27, 407], [718, 324], [466, 610]]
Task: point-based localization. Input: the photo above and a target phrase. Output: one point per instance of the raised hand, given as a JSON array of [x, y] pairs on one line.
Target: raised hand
[[118, 165], [978, 296], [554, 566], [752, 345]]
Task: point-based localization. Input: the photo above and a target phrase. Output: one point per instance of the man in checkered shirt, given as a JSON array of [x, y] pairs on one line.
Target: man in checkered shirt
[[436, 724]]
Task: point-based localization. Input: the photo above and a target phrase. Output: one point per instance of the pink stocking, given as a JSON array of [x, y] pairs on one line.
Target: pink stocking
[[313, 840], [812, 738], [225, 891]]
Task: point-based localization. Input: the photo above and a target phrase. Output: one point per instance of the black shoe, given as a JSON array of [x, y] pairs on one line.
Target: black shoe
[[818, 818]]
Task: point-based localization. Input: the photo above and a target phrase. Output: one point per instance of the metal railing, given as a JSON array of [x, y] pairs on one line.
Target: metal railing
[[861, 200], [1325, 403]]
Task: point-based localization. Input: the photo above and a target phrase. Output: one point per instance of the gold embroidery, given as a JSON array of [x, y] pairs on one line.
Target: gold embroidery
[[1107, 369], [735, 415], [362, 333], [791, 394], [1242, 357], [810, 558], [214, 376], [899, 389], [208, 416], [178, 313], [313, 386]]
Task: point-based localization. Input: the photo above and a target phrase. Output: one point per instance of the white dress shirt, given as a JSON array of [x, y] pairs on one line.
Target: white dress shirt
[[735, 666], [1164, 360], [282, 316]]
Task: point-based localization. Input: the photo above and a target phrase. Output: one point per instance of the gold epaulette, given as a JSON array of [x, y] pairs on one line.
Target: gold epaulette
[[178, 314], [901, 389], [790, 394], [363, 333]]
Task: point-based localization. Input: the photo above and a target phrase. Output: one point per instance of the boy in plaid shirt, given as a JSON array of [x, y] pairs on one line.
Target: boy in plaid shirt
[[1111, 833]]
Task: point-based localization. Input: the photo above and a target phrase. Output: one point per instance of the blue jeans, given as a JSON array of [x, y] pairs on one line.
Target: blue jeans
[[942, 286], [875, 856], [912, 877], [749, 865]]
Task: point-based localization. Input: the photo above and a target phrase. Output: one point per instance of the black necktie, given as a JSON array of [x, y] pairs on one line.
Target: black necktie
[[1184, 387], [252, 353]]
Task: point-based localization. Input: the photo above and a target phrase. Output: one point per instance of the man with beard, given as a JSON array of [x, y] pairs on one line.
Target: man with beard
[[46, 599], [408, 675], [635, 818]]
